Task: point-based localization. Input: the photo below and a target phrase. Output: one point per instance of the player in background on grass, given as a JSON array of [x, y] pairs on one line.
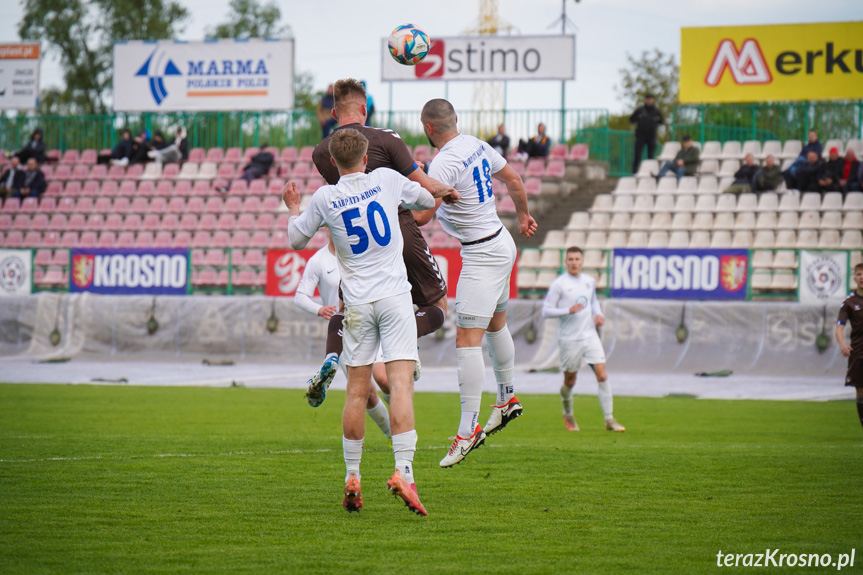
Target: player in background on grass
[[572, 299], [322, 272], [428, 286], [488, 255], [361, 212], [852, 311]]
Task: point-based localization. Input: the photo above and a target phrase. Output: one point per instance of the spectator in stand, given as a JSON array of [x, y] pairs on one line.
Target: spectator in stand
[[370, 104], [182, 143], [167, 153], [140, 147], [121, 152], [849, 180], [685, 162], [259, 166], [35, 148], [34, 181], [813, 145], [537, 146], [831, 172], [769, 176], [647, 119], [806, 178], [12, 179], [744, 178], [325, 112], [500, 141]]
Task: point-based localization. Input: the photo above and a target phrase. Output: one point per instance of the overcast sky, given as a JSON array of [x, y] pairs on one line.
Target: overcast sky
[[340, 38]]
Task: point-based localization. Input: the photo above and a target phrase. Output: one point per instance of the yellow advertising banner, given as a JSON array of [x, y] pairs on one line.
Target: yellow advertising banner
[[772, 63]]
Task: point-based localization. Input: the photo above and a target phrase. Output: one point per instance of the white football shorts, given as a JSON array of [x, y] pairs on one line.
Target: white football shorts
[[575, 352], [387, 324], [483, 285]]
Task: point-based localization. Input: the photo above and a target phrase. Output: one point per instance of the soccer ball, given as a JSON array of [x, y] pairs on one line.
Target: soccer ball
[[409, 44]]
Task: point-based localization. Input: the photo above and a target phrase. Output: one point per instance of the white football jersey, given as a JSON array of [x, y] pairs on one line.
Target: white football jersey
[[322, 272], [565, 292], [467, 164], [361, 211]]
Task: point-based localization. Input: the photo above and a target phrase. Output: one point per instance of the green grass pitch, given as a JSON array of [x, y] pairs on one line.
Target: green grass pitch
[[198, 480]]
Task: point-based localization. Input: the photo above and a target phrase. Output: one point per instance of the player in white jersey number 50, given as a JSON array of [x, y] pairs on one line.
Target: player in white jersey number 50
[[488, 254], [572, 299], [361, 211]]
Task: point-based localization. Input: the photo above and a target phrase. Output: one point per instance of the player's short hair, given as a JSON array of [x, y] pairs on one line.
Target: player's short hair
[[440, 114], [858, 268], [347, 147], [574, 250], [346, 92]]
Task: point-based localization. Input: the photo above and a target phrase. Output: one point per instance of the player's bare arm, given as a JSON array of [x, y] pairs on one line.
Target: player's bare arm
[[526, 224], [439, 190], [840, 339], [599, 320], [291, 197]]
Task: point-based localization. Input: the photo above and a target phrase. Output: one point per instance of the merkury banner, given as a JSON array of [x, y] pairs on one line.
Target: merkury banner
[[479, 58], [242, 75], [771, 63], [130, 271]]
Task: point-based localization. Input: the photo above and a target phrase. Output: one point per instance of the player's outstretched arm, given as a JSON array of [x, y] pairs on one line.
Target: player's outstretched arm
[[526, 224], [439, 190]]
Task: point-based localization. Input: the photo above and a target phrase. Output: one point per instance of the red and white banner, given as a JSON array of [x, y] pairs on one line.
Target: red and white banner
[[285, 270]]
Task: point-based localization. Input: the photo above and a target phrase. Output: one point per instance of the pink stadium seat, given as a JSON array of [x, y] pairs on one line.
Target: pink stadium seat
[[80, 172], [21, 223], [144, 240], [266, 221], [151, 222], [289, 154], [107, 240], [177, 205], [535, 168], [260, 239], [272, 150], [132, 223], [48, 171], [302, 170], [30, 205], [102, 206], [90, 188], [113, 223], [163, 239], [38, 276], [279, 241], [170, 223], [221, 239], [128, 188], [6, 221], [66, 205], [255, 258], [196, 155], [555, 169], [122, 205], [55, 278], [252, 205], [43, 257], [518, 167], [214, 205], [88, 240], [114, 173], [271, 203], [183, 188], [109, 188], [195, 205], [285, 171], [47, 206], [579, 152], [11, 206], [140, 205], [233, 205], [61, 256], [70, 157], [246, 222], [99, 172], [239, 188], [126, 240], [147, 189], [248, 153], [215, 155], [39, 222], [50, 239], [170, 171], [258, 188], [202, 240], [182, 240], [233, 155], [95, 222], [53, 155], [216, 258], [227, 222], [77, 222], [199, 257], [63, 172], [226, 171], [159, 205], [54, 189], [88, 157], [165, 189], [506, 205], [202, 188], [245, 278], [207, 222], [134, 172], [282, 221], [14, 239], [306, 153], [240, 239], [558, 152], [188, 222]]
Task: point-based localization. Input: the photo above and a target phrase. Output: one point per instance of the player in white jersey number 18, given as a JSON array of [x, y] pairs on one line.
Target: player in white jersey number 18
[[488, 255]]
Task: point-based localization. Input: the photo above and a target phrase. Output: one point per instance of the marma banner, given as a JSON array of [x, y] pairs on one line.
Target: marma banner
[[771, 63]]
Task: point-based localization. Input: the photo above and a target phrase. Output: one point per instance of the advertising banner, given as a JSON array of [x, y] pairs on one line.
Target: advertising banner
[[771, 63], [487, 58], [152, 271], [680, 274], [285, 270], [220, 75], [823, 277], [16, 272], [19, 76]]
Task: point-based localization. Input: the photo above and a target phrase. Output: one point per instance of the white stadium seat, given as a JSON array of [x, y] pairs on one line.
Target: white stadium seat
[[528, 259], [705, 203], [786, 259], [554, 239], [786, 239], [766, 221], [682, 221], [731, 150], [595, 240], [723, 221], [791, 149], [707, 185], [646, 186], [811, 201], [550, 259], [699, 239], [619, 222], [643, 204], [599, 222], [669, 151], [831, 221], [851, 240], [742, 239], [726, 203], [604, 202], [829, 240], [712, 150], [637, 240], [679, 239], [575, 239], [625, 186], [853, 201], [657, 240], [703, 221], [809, 221], [790, 202], [661, 221], [771, 148], [852, 221], [768, 202], [751, 147], [720, 239], [761, 279], [663, 204], [685, 203], [640, 221], [764, 239], [578, 221], [807, 239], [747, 202], [832, 201], [744, 221], [617, 240], [621, 204], [647, 169], [762, 259], [687, 185]]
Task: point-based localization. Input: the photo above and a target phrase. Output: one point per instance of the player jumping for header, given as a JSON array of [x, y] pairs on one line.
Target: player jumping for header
[[488, 255]]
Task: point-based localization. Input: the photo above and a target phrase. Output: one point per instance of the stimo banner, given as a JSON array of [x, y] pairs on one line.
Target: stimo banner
[[130, 271], [680, 274], [771, 63], [218, 75]]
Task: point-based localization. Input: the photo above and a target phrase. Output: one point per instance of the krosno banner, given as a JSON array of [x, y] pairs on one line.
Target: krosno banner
[[130, 271], [473, 58], [250, 74]]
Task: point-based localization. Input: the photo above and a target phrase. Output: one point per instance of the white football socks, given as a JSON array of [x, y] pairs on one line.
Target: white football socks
[[380, 416], [353, 450], [501, 349], [605, 399], [404, 447], [566, 398], [471, 374]]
